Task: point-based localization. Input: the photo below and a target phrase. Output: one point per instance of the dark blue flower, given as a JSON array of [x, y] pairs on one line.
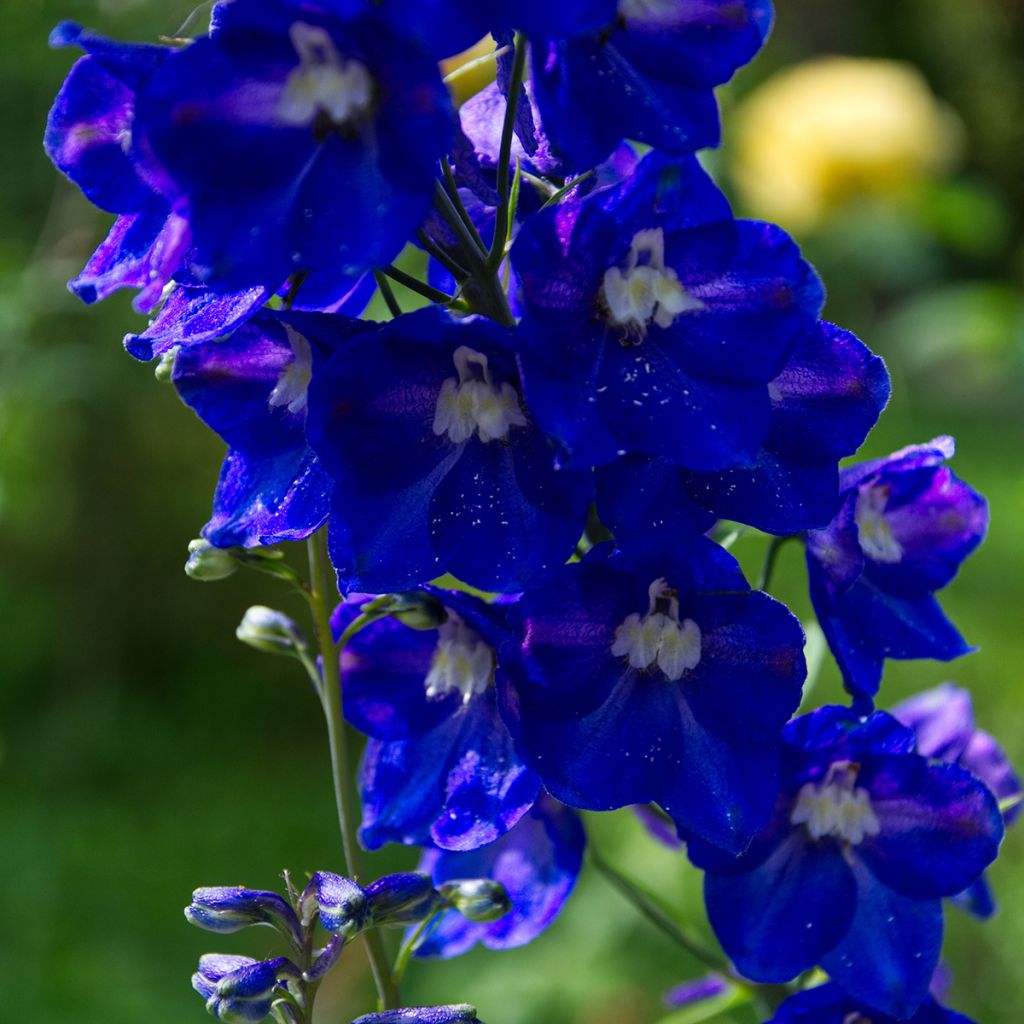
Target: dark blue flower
[[828, 1004], [823, 404], [251, 388], [295, 137], [231, 908], [649, 75], [943, 721], [403, 898], [903, 527], [238, 988], [663, 680], [654, 323], [436, 462], [537, 861], [440, 766], [457, 1014], [867, 838]]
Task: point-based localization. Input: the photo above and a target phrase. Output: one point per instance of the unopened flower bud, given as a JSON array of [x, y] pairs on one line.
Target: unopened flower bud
[[164, 369], [230, 908], [238, 988], [477, 899], [341, 903], [207, 563], [404, 898], [268, 630]]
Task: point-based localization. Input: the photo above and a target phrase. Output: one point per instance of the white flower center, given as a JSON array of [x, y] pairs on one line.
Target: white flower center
[[462, 662], [836, 807], [646, 291], [873, 529], [472, 404], [659, 638], [292, 386], [323, 81]]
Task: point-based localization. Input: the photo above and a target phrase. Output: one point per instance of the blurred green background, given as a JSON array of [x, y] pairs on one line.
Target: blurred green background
[[144, 752]]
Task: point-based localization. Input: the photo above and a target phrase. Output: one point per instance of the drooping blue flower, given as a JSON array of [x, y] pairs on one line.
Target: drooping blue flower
[[231, 908], [537, 861], [654, 322], [662, 680], [904, 525], [823, 403], [238, 988], [251, 388], [649, 75], [828, 1004], [440, 767], [943, 721], [89, 139], [436, 461], [462, 1013], [295, 137], [867, 838]]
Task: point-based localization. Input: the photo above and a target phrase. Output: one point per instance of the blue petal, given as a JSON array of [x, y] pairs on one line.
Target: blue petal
[[829, 1004], [537, 861], [940, 827], [782, 917], [459, 786], [887, 958]]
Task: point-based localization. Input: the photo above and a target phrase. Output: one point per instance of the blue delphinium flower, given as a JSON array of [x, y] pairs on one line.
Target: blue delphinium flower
[[238, 988], [537, 861], [828, 1004], [823, 403], [89, 139], [867, 838], [654, 322], [251, 388], [297, 137], [661, 680], [649, 74], [943, 721], [461, 1013], [440, 766], [436, 462], [903, 528]]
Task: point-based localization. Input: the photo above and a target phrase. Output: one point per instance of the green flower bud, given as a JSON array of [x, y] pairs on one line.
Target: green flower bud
[[269, 630], [205, 562], [477, 899], [164, 369]]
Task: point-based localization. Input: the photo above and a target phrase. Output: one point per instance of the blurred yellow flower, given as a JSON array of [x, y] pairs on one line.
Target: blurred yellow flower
[[470, 71], [823, 132]]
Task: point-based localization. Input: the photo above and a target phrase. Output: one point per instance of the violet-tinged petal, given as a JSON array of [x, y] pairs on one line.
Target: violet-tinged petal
[[343, 905], [461, 1013], [696, 991], [939, 827], [191, 316], [403, 898], [142, 250], [942, 719], [537, 861]]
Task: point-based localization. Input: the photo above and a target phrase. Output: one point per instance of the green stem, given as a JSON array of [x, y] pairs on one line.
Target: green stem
[[387, 293], [497, 251], [770, 558], [658, 915], [321, 599], [417, 286]]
